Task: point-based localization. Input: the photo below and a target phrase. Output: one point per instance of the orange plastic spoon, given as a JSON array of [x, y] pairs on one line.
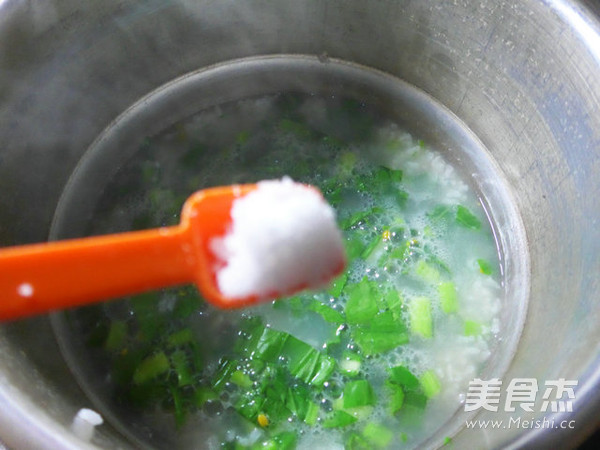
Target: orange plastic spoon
[[43, 277]]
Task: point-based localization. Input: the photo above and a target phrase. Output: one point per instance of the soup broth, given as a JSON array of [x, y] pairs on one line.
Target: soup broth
[[382, 358]]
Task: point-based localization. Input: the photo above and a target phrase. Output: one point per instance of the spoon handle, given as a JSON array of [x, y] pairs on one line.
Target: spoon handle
[[39, 278]]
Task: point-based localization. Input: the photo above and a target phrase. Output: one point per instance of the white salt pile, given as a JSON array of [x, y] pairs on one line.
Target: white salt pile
[[283, 238]]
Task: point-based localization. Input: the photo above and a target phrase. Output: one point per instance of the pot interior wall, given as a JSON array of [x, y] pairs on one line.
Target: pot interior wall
[[522, 76]]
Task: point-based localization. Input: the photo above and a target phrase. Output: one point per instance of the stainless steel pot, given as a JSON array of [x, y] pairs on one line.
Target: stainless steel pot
[[523, 76]]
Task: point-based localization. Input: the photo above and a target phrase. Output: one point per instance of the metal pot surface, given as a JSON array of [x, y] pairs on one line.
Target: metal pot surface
[[523, 76]]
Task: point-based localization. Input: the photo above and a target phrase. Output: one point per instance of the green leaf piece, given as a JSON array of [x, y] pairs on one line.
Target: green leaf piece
[[270, 344], [151, 367], [358, 217], [440, 214], [223, 374], [350, 363], [401, 376], [286, 440], [395, 398], [356, 441], [394, 303], [339, 419], [312, 414], [250, 405], [379, 436], [358, 393], [117, 334], [383, 333], [362, 304], [324, 369], [466, 218], [485, 267], [472, 328], [180, 338], [202, 395], [354, 247], [427, 272], [371, 246], [181, 365], [326, 312], [448, 297], [416, 400], [297, 401], [384, 175], [430, 383], [241, 379], [421, 320], [337, 285]]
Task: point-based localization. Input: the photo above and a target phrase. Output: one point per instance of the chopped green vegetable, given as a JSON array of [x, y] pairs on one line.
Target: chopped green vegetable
[[379, 436], [150, 324], [312, 414], [338, 284], [484, 266], [401, 376], [324, 369], [181, 337], [241, 379], [395, 399], [223, 374], [339, 419], [151, 367], [270, 344], [327, 312], [394, 303], [384, 175], [182, 368], [362, 304], [384, 332], [401, 197], [427, 272], [440, 214], [354, 247], [297, 402], [358, 217], [448, 297], [466, 218], [302, 359], [358, 393], [249, 405], [371, 246], [472, 328], [356, 441], [421, 321], [203, 395], [180, 412], [187, 303], [117, 333], [430, 383], [286, 440], [347, 163], [415, 400]]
